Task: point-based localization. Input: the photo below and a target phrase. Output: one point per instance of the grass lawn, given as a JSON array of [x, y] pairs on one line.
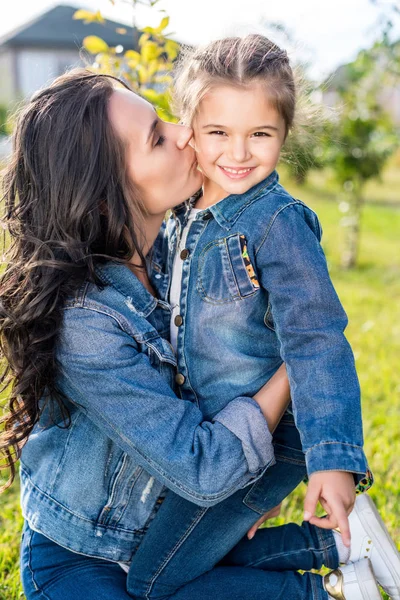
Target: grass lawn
[[371, 297]]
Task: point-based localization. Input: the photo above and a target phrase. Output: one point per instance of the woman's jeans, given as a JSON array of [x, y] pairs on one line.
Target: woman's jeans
[[204, 550]]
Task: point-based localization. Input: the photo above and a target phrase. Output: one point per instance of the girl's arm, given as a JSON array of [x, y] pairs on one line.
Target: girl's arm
[[274, 398]]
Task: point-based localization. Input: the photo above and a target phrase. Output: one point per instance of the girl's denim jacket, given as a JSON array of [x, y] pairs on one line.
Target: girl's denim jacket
[[93, 486], [256, 292]]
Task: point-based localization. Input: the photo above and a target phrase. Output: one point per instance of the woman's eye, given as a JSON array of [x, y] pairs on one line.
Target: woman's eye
[[160, 141], [261, 134]]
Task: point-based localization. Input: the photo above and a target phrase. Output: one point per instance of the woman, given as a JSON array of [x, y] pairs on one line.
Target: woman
[[83, 321]]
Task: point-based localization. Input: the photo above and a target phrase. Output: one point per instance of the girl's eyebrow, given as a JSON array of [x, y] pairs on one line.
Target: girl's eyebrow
[[215, 126], [254, 128]]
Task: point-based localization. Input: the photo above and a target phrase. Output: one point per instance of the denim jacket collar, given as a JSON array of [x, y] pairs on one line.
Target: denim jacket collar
[[228, 210], [122, 279]]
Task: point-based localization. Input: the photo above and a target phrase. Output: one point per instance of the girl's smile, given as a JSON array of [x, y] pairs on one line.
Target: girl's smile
[[235, 172]]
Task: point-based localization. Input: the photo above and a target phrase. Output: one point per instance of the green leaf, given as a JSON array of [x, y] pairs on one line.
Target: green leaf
[[95, 45]]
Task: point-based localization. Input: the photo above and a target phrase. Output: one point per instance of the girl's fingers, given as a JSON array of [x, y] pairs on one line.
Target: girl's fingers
[[311, 500], [274, 512], [251, 533], [328, 522]]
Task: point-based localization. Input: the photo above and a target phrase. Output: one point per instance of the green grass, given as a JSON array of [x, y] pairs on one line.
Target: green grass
[[371, 297]]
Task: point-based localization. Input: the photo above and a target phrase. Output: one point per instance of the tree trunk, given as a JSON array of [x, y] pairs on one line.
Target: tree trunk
[[353, 231]]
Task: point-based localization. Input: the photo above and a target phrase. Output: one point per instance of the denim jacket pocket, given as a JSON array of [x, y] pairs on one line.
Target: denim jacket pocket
[[225, 272]]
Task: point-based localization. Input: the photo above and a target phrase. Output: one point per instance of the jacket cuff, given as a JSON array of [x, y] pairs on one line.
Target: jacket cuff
[[243, 417], [336, 456]]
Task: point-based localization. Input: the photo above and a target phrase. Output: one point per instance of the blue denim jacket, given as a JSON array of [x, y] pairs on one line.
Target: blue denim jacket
[[256, 292], [93, 487]]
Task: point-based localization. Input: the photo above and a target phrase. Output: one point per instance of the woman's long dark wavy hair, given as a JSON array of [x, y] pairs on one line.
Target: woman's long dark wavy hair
[[68, 204]]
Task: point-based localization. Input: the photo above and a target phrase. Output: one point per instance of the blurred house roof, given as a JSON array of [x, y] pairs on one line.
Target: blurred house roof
[[57, 28]]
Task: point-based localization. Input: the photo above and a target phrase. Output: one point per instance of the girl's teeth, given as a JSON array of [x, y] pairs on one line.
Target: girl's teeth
[[236, 172]]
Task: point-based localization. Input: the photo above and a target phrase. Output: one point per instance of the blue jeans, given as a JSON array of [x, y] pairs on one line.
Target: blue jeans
[[50, 572], [185, 541], [204, 550]]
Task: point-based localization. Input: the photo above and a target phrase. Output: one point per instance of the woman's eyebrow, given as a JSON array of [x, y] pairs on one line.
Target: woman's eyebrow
[[151, 132]]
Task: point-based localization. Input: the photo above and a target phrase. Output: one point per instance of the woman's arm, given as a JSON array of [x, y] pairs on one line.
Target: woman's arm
[[106, 375]]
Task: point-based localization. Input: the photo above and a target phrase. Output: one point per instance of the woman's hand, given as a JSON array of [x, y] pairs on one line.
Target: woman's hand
[[335, 490], [274, 512]]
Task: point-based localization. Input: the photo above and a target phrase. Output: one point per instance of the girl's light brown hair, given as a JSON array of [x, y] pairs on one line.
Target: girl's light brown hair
[[239, 62]]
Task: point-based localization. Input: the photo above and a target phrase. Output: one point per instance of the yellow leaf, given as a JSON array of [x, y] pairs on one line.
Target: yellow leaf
[[142, 72], [154, 66], [164, 23], [132, 55], [143, 39], [150, 51], [88, 16], [172, 49], [150, 95], [95, 45], [99, 18]]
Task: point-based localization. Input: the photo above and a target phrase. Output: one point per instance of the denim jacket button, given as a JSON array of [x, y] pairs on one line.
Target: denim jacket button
[[178, 320], [180, 379], [184, 254]]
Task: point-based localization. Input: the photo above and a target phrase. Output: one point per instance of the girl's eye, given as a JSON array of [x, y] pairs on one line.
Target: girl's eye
[[261, 134], [160, 141], [217, 132]]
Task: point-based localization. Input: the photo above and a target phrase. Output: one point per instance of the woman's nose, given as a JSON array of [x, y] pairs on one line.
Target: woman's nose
[[184, 136]]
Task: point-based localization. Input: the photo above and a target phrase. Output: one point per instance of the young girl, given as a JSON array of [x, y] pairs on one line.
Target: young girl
[[250, 289]]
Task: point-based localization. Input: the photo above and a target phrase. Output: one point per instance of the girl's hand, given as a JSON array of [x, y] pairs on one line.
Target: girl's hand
[[274, 512], [335, 490]]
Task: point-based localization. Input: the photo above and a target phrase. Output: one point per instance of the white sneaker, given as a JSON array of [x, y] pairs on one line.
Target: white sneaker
[[370, 539], [352, 582]]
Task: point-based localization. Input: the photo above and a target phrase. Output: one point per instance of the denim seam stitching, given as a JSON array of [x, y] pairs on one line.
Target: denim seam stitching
[[38, 589], [178, 544], [271, 222], [274, 556], [314, 587]]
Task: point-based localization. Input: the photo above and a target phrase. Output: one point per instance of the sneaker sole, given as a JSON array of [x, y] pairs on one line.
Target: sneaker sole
[[366, 580], [382, 540]]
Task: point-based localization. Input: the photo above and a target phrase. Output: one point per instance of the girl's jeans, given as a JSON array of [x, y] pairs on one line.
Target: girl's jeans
[[251, 571], [195, 553]]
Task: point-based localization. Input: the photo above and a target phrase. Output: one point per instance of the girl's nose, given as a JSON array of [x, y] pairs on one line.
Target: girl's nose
[[239, 151], [184, 136]]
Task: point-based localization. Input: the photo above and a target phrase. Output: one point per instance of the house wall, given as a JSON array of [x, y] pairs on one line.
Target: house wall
[[7, 78], [36, 67]]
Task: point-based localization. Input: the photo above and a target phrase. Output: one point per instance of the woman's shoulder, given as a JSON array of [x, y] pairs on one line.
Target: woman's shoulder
[[116, 303]]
